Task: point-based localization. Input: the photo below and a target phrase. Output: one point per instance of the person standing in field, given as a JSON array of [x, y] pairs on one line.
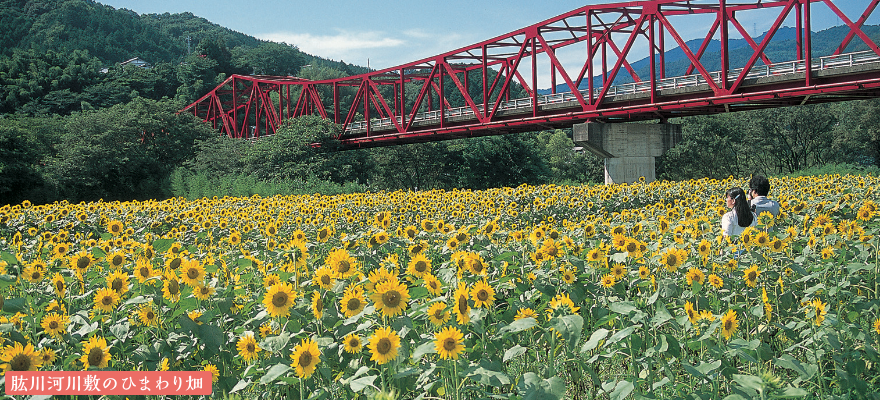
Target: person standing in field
[[740, 215], [759, 188]]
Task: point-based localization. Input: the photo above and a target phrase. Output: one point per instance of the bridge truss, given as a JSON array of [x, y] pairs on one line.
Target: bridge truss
[[579, 55]]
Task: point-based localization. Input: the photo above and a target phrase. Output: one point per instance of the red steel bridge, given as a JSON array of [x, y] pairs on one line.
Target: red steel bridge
[[468, 92]]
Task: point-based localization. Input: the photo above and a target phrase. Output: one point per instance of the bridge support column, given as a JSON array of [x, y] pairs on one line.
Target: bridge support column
[[629, 150]]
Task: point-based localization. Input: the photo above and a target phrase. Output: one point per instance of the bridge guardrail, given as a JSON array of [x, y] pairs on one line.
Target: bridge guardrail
[[677, 82]]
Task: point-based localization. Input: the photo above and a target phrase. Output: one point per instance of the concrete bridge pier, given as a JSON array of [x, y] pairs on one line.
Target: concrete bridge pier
[[629, 149]]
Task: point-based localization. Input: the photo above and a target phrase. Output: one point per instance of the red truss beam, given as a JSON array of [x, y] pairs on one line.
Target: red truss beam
[[585, 57]]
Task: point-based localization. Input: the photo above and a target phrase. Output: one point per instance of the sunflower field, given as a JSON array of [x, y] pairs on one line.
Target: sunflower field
[[535, 292]]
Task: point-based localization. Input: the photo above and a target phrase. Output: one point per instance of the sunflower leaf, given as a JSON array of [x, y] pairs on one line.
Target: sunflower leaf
[[362, 383], [274, 372], [595, 339], [424, 348], [514, 352], [274, 344], [240, 385]]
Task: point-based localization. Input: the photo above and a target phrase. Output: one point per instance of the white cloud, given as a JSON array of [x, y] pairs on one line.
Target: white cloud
[[342, 45]]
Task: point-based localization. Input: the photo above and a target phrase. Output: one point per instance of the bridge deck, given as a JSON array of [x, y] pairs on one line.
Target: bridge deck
[[668, 89]]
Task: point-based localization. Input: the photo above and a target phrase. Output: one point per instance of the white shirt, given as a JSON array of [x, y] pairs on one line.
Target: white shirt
[[730, 225]]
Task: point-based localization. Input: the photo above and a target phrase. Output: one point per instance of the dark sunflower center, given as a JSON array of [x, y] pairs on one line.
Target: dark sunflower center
[[116, 285], [145, 272], [279, 299], [344, 266], [391, 298], [325, 279], [96, 355], [35, 275], [21, 362], [175, 263], [107, 300], [251, 348], [319, 305], [438, 314], [117, 260], [59, 285], [477, 266], [192, 273], [728, 325], [482, 295], [631, 247], [150, 315], [204, 290], [752, 276], [671, 260], [462, 304], [384, 346], [353, 343], [173, 287], [353, 304], [53, 325], [305, 359], [82, 263], [421, 266], [449, 344]]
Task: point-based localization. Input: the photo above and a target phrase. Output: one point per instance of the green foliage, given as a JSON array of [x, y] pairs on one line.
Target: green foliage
[[123, 152], [837, 169], [184, 183]]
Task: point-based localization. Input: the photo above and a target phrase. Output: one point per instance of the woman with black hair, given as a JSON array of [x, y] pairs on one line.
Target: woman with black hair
[[740, 215]]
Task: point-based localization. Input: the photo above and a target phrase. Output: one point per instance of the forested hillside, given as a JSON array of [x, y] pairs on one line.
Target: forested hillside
[[75, 125]]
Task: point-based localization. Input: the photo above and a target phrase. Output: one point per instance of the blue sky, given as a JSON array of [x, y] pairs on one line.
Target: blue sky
[[387, 33]]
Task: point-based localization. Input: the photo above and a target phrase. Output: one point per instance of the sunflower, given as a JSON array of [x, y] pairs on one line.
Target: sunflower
[[827, 253], [419, 265], [352, 343], [279, 298], [60, 250], [608, 280], [248, 348], [115, 227], [561, 303], [434, 286], [17, 357], [118, 281], [671, 259], [644, 272], [171, 288], [417, 248], [820, 309], [234, 238], [695, 275], [448, 342], [619, 271], [203, 291], [106, 300], [877, 326], [353, 301], [317, 305], [390, 297], [729, 324], [383, 345], [568, 276], [704, 248], [474, 262], [147, 315], [410, 232], [305, 357], [215, 374], [116, 259], [716, 281], [324, 233], [525, 313], [55, 324], [96, 353], [143, 270], [47, 356], [341, 263], [462, 309], [482, 294], [437, 313], [691, 312], [379, 239], [192, 273], [34, 272], [595, 255], [751, 276]]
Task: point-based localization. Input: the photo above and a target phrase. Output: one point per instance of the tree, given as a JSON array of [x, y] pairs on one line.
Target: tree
[[280, 59], [124, 152], [289, 154], [791, 138], [712, 146], [568, 165]]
